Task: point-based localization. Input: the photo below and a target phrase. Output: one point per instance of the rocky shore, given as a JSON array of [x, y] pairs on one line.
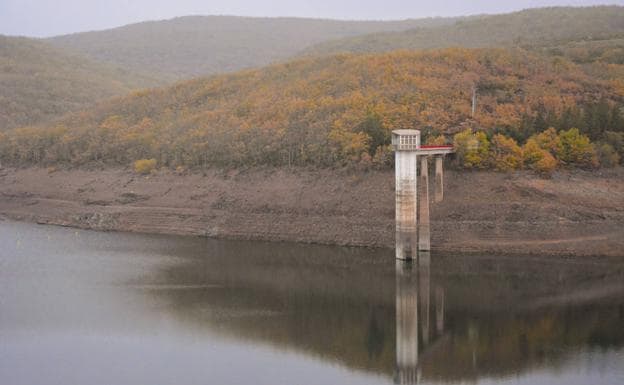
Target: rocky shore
[[577, 213]]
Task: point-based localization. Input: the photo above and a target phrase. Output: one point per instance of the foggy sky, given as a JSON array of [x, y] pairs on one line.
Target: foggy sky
[[53, 17]]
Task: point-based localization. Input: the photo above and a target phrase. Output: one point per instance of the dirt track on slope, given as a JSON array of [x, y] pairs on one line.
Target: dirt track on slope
[[574, 213]]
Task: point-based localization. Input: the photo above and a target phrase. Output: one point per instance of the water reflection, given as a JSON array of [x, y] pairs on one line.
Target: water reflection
[[407, 330], [454, 319], [413, 335], [341, 315], [503, 321]]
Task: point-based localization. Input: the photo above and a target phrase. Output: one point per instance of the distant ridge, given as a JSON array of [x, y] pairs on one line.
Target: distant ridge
[[539, 27], [39, 81], [192, 46]]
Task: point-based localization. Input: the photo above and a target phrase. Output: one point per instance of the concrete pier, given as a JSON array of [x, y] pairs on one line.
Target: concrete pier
[[439, 179], [424, 230]]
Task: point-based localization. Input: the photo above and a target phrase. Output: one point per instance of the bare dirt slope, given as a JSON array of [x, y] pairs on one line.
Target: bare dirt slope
[[574, 213]]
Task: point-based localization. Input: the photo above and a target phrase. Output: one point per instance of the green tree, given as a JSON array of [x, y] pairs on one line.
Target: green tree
[[378, 134], [472, 149], [616, 139], [576, 149], [607, 155]]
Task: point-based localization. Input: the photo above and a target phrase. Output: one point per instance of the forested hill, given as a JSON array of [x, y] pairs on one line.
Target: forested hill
[[554, 28], [327, 111], [39, 81], [193, 46]]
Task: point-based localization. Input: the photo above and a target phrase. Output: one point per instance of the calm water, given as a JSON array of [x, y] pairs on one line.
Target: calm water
[[79, 307]]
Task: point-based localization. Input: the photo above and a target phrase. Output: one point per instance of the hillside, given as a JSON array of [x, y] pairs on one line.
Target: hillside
[[193, 46], [326, 111], [39, 81], [541, 27]]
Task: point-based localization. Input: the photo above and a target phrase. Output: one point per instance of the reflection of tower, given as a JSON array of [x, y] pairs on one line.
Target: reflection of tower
[[425, 297], [406, 324], [413, 287]]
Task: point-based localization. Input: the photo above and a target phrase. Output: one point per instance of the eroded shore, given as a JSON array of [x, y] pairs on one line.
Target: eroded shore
[[574, 213]]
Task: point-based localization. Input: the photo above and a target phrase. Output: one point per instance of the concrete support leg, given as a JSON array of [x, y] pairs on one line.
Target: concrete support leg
[[424, 230], [439, 179]]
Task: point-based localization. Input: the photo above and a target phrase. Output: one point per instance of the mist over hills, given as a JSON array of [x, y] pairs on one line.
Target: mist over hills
[[39, 81], [193, 46], [533, 28]]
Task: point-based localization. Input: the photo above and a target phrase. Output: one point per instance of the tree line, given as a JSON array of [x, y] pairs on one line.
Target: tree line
[[336, 111]]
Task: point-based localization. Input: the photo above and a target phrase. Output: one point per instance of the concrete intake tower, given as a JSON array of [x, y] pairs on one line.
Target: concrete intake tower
[[413, 232]]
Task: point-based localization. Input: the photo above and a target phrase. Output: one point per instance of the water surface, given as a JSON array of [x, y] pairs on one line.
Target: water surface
[[80, 307]]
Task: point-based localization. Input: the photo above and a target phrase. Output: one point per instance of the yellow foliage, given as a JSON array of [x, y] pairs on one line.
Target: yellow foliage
[[618, 86], [576, 149], [548, 140], [538, 159], [439, 140], [472, 149], [319, 111], [506, 153], [547, 164], [145, 166], [349, 145]]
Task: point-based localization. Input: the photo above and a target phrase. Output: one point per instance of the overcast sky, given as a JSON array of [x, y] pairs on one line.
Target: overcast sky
[[53, 17]]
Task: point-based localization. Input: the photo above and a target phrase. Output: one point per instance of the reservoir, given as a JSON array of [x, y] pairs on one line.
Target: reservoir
[[83, 307]]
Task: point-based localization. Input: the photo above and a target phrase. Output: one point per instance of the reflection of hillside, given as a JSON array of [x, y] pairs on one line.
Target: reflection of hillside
[[318, 302], [476, 315], [504, 345]]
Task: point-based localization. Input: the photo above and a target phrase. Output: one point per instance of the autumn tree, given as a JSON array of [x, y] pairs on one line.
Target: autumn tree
[[538, 159], [472, 149], [576, 149], [506, 154]]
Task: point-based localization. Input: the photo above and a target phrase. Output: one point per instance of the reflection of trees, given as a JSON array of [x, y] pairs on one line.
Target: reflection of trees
[[500, 336], [475, 317]]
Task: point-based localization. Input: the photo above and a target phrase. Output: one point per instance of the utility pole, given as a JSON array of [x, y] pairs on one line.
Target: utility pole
[[474, 100]]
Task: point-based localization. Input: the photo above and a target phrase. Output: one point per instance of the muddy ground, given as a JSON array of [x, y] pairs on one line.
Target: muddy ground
[[573, 213]]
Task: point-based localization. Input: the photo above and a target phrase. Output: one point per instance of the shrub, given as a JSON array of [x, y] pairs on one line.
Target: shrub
[[384, 157], [538, 159], [548, 140], [532, 153], [472, 149], [145, 166], [506, 154], [547, 164], [576, 149], [607, 155], [616, 139]]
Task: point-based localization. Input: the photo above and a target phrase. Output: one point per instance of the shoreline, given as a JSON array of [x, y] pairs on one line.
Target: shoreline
[[576, 213]]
